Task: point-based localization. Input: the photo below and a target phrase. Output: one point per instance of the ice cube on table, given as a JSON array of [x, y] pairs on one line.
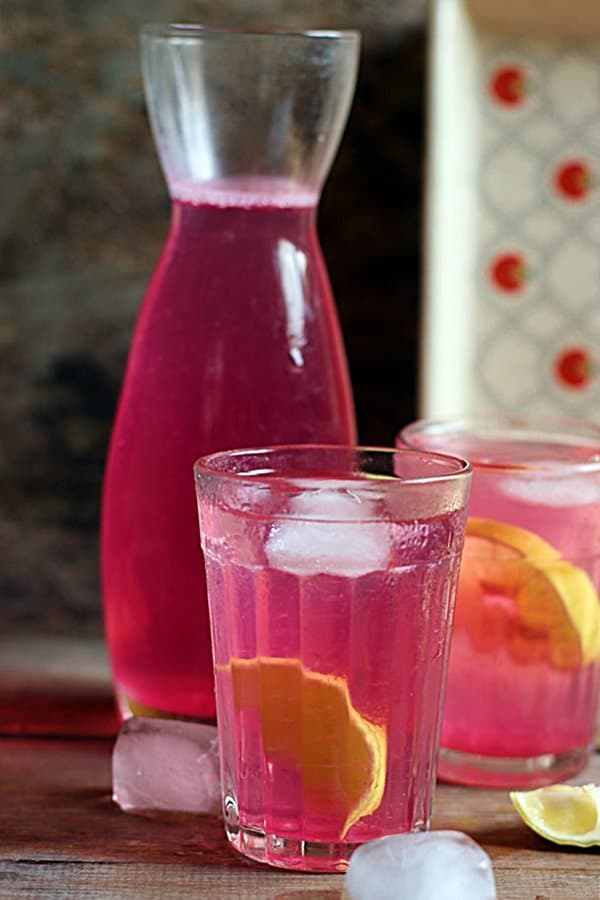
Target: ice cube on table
[[328, 537], [445, 865], [167, 765]]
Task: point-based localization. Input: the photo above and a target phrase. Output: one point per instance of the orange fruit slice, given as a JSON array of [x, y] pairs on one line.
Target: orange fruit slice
[[508, 541], [308, 722], [562, 813], [515, 589]]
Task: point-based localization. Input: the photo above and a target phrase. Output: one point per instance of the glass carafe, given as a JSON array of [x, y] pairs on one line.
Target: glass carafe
[[237, 342]]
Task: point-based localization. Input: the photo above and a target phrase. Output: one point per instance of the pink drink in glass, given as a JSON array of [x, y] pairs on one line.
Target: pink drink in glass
[[237, 343], [522, 692], [329, 606]]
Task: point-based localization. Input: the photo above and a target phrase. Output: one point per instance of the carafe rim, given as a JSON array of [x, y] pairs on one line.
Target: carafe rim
[[196, 32]]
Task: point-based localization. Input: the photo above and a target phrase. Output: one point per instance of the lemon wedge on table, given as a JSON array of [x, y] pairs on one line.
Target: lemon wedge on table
[[562, 813], [308, 723], [555, 606]]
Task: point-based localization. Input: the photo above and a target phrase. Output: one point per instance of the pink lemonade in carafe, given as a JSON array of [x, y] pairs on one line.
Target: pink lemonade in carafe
[[237, 344]]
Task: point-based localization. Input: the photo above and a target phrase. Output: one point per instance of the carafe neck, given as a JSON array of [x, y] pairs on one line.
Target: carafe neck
[[254, 106]]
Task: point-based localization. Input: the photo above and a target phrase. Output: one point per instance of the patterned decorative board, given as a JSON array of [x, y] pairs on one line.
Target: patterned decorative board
[[512, 275]]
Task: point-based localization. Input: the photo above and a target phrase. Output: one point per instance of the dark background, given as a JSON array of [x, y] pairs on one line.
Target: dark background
[[83, 216]]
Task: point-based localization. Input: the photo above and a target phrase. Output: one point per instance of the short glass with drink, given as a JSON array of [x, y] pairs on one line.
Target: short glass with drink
[[525, 659], [331, 581]]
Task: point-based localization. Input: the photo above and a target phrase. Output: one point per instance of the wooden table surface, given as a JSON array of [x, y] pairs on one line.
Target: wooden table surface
[[62, 837]]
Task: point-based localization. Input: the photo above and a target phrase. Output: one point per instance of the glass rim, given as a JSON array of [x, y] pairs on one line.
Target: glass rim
[[462, 467], [506, 427], [196, 32]]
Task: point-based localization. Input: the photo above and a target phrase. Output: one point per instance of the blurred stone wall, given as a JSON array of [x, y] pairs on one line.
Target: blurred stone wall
[[83, 215]]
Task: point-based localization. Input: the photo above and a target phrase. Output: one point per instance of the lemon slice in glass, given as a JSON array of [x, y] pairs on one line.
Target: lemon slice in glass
[[555, 608], [309, 723], [562, 813]]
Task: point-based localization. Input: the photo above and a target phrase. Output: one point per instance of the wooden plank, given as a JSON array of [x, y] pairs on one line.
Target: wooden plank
[[143, 882], [139, 881], [70, 781], [61, 835]]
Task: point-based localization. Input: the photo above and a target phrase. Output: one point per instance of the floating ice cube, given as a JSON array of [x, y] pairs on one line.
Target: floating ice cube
[[336, 504], [445, 865], [553, 491], [331, 540], [166, 764]]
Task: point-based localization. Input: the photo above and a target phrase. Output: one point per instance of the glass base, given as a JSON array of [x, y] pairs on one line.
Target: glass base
[[285, 852], [511, 772]]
